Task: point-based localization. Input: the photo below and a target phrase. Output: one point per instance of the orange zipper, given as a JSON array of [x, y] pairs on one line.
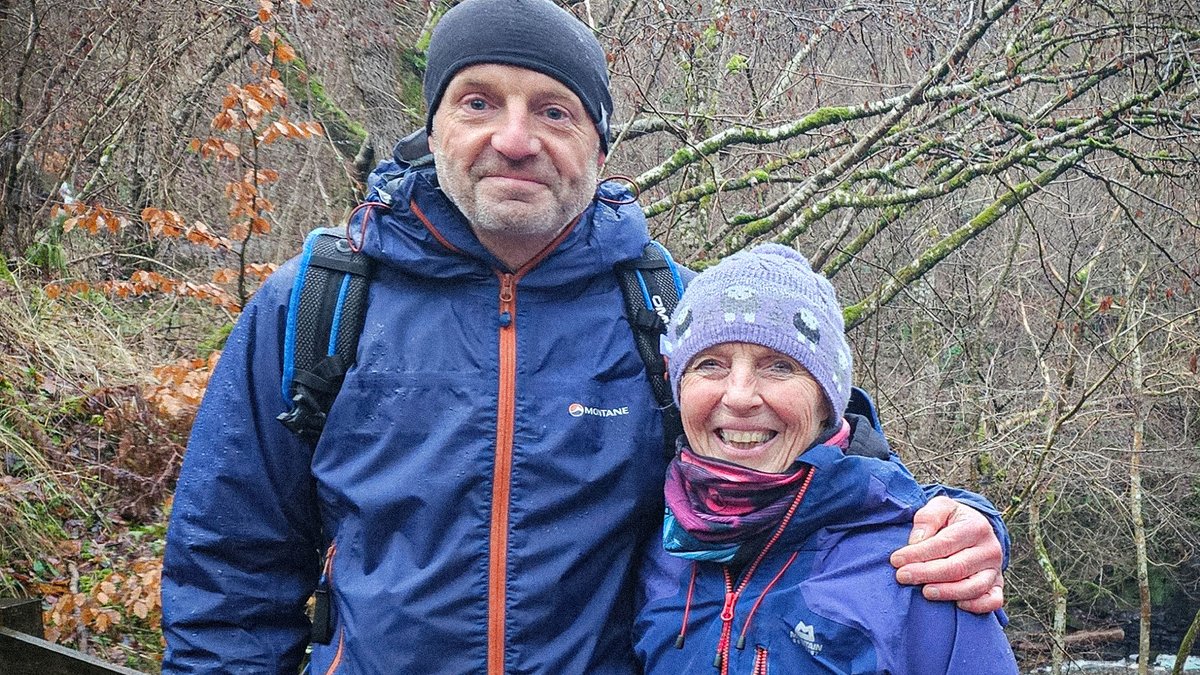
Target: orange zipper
[[328, 573], [337, 657], [506, 404], [502, 473]]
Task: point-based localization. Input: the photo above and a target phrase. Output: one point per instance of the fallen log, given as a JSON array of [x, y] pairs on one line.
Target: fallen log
[[1078, 639]]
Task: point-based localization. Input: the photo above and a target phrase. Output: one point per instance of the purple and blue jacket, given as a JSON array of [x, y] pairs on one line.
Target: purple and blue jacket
[[821, 597]]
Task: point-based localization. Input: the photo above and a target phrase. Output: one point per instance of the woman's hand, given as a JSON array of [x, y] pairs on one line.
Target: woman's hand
[[954, 552]]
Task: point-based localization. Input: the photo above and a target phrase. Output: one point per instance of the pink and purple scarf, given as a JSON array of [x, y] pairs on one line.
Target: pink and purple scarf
[[713, 507]]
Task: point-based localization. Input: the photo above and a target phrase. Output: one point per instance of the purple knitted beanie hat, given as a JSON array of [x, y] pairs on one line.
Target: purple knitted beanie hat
[[769, 296]]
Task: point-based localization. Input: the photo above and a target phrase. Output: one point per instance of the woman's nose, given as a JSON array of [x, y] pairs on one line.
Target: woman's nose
[[741, 389]]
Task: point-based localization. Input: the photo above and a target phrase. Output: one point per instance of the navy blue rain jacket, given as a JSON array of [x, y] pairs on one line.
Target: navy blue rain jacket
[[824, 598], [486, 479]]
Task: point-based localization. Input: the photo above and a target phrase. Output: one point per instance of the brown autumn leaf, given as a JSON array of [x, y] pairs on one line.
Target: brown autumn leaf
[[284, 52], [224, 275]]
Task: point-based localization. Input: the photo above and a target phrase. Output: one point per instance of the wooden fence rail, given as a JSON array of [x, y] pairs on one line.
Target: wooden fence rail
[[23, 651]]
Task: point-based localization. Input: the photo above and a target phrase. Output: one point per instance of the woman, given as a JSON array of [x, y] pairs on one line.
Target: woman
[[781, 510]]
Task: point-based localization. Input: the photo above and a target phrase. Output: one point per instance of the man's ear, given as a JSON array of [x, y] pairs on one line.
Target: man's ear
[[600, 157]]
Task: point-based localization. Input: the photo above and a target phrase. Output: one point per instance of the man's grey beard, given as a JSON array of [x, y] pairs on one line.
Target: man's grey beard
[[491, 217]]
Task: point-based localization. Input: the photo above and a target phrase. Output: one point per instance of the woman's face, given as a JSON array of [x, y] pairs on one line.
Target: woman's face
[[750, 405]]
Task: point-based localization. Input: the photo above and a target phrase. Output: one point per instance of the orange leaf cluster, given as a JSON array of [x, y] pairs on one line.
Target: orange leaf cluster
[[180, 386], [143, 282], [261, 271], [246, 200], [282, 128], [200, 234], [283, 52], [119, 598], [215, 147], [212, 294], [89, 217], [163, 223], [253, 101]]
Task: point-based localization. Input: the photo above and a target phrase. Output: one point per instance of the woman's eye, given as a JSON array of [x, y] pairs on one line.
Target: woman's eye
[[785, 367], [706, 364]]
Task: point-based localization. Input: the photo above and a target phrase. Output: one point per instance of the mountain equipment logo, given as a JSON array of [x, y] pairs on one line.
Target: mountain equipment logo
[[579, 410], [804, 635]]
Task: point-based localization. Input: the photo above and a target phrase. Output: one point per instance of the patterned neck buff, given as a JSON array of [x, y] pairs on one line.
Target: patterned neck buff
[[715, 507]]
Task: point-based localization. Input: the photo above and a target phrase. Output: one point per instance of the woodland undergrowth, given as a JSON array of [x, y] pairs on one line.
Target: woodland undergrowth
[[96, 401]]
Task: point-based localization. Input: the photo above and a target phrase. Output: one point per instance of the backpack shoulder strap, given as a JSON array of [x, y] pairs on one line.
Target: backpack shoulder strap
[[652, 286], [324, 319]]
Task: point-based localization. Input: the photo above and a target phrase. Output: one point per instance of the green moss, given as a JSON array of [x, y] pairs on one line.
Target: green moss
[[214, 341], [410, 83], [827, 116], [853, 314]]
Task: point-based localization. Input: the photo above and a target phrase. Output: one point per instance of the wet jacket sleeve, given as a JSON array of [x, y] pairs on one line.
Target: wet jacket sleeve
[[944, 639], [242, 550]]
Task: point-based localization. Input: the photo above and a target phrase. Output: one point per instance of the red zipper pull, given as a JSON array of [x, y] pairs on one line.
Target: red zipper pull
[[731, 598]]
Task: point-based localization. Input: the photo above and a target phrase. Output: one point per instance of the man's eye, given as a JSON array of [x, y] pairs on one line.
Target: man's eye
[[477, 104], [556, 114]]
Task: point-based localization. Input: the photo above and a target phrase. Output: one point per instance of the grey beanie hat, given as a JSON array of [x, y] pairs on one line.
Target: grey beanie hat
[[768, 296], [534, 34]]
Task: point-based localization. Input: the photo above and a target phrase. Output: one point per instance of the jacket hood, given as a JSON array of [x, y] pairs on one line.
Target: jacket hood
[[415, 227], [852, 490]]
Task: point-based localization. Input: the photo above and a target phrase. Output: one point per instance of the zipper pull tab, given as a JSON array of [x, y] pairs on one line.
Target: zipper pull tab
[[322, 623], [731, 598], [507, 292]]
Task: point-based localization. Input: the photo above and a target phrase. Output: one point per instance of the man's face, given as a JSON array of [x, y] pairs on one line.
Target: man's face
[[516, 152]]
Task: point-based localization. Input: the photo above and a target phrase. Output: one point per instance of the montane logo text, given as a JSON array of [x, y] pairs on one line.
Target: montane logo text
[[579, 410]]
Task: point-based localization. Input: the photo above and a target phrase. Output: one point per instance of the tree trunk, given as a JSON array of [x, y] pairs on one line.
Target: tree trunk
[[1141, 410]]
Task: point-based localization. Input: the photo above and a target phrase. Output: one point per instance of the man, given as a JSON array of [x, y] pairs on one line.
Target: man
[[460, 512]]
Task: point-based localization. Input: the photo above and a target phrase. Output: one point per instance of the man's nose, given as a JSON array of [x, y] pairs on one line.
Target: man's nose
[[515, 138]]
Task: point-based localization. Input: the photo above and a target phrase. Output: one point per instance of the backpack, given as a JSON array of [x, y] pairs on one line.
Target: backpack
[[329, 302]]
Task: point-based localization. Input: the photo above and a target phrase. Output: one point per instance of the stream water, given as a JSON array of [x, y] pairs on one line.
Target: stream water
[[1169, 621]]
